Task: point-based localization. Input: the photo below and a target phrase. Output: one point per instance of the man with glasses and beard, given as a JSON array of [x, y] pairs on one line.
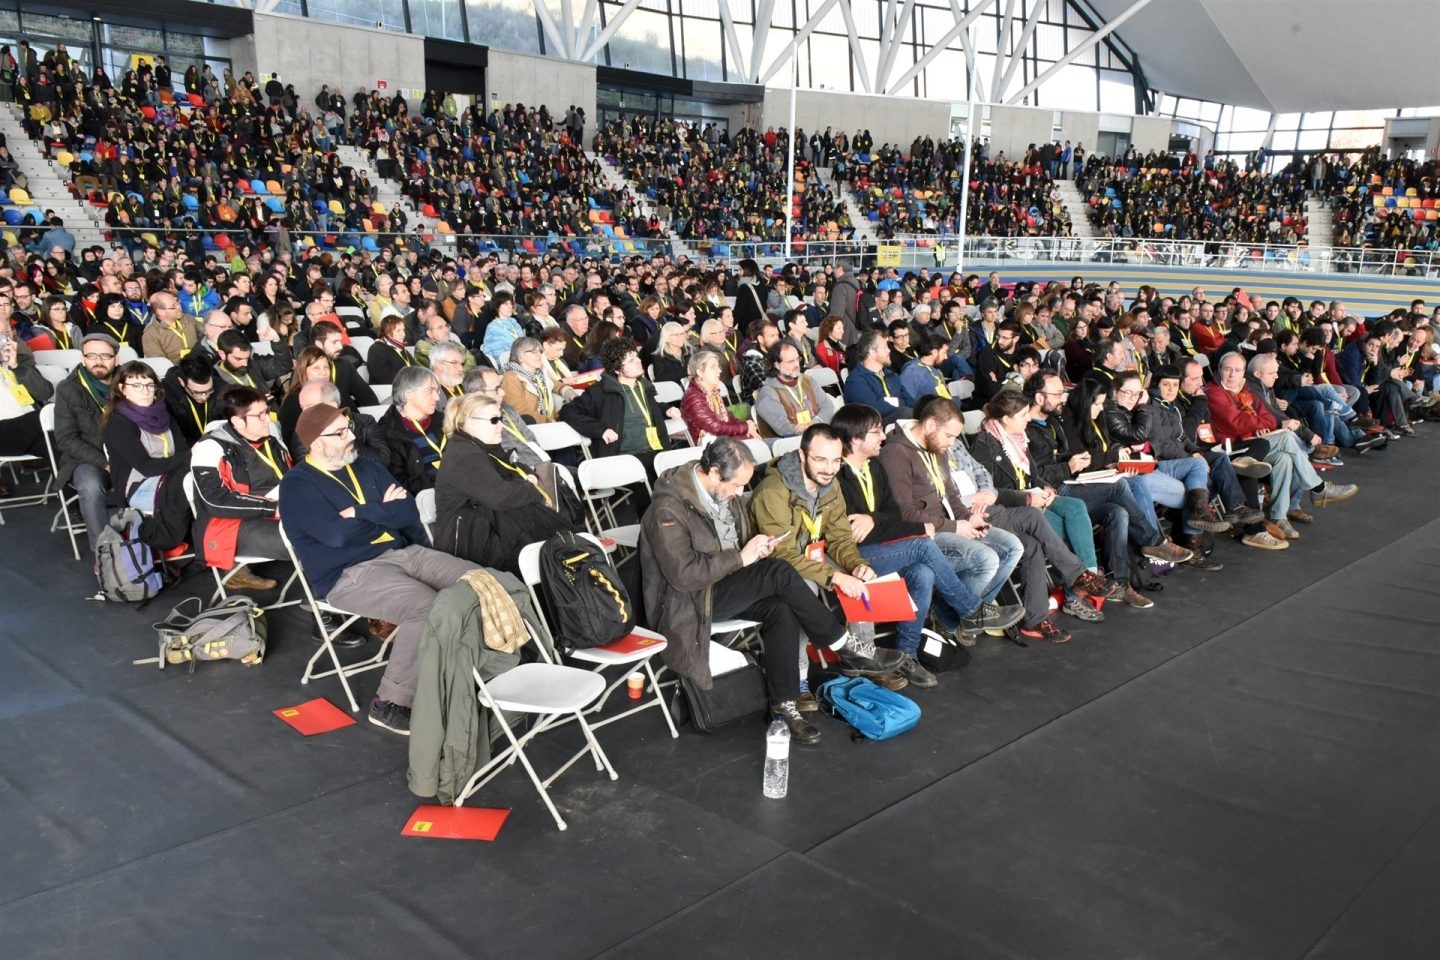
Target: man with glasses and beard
[[357, 536]]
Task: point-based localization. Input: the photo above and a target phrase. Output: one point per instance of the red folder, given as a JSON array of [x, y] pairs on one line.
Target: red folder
[[315, 716], [886, 600], [1136, 466], [455, 823], [635, 640]]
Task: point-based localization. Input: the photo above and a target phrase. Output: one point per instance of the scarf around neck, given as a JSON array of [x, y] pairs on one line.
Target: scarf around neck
[[98, 388], [154, 419], [1016, 446]]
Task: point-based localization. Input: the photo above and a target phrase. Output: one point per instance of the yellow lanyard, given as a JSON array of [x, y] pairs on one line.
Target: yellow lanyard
[[579, 344], [179, 331], [940, 388], [195, 412], [798, 395], [98, 402], [884, 383], [164, 444], [440, 450], [1140, 365], [733, 343], [867, 486], [514, 430], [62, 337], [638, 394], [525, 477], [1000, 358], [1104, 447], [270, 461], [932, 467], [243, 378], [813, 524], [357, 494], [332, 371], [117, 334]]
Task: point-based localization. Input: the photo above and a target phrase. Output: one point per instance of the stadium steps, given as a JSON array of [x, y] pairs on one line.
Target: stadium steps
[[387, 191], [864, 229], [1321, 229], [47, 187], [1076, 206], [617, 182]]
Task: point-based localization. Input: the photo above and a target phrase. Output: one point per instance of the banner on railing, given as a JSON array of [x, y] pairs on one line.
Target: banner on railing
[[888, 255]]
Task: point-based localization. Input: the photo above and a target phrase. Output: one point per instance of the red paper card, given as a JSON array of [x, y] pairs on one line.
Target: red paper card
[[635, 640], [886, 600], [315, 716], [455, 823]]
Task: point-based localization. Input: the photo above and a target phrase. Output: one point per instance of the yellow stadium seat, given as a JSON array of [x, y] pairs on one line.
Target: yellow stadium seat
[[378, 208], [336, 208], [1411, 192], [19, 197], [64, 158]]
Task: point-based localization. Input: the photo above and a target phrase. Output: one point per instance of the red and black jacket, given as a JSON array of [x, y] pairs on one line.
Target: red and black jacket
[[232, 476]]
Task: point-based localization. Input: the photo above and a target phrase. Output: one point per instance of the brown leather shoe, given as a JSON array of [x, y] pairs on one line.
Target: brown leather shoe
[[894, 680], [1324, 451], [1273, 528], [245, 580], [1299, 516], [806, 703]]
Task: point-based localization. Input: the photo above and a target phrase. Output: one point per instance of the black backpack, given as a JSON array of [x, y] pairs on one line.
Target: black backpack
[[588, 605]]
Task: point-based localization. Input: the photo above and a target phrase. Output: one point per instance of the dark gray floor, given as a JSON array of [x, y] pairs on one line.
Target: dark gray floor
[[1251, 769]]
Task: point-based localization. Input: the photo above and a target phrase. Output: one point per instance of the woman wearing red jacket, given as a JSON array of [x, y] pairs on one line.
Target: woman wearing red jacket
[[704, 407], [830, 345]]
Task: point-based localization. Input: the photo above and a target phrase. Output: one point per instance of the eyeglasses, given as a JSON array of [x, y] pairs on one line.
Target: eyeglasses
[[98, 356], [338, 433], [490, 420], [1127, 393], [144, 386]]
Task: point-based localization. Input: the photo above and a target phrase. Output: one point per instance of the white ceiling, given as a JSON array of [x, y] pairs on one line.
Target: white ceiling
[[1288, 56]]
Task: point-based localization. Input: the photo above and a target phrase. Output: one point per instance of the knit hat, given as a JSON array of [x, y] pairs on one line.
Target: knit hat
[[313, 422], [104, 338]]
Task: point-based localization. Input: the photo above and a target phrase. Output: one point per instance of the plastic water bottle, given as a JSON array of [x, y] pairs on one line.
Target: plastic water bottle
[[777, 760]]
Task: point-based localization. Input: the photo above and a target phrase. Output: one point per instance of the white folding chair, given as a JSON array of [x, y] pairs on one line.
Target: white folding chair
[[823, 378], [318, 608], [425, 503], [187, 483], [262, 348], [125, 354], [668, 459], [559, 436], [161, 365], [375, 411], [354, 319], [973, 419], [66, 360], [382, 391], [551, 693], [783, 445], [961, 389], [600, 658], [600, 482], [62, 515], [759, 450], [52, 374], [668, 391], [362, 345], [12, 461]]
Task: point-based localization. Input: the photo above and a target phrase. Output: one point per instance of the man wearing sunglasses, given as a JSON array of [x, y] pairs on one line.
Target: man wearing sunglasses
[[358, 538]]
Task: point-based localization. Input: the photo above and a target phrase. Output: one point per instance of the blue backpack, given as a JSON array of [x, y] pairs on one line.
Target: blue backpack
[[875, 712]]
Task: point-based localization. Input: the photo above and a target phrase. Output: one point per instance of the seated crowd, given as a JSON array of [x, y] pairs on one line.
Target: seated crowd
[[957, 432], [921, 192]]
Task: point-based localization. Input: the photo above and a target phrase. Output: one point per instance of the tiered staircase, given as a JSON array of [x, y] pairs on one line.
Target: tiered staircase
[[1076, 206], [387, 191], [1321, 229], [47, 186], [617, 181]]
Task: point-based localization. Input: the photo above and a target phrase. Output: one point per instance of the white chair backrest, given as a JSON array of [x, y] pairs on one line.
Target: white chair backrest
[[783, 445], [53, 374], [620, 470], [125, 354], [668, 459], [262, 348], [66, 360], [47, 418], [425, 503], [377, 411], [962, 389], [345, 313], [973, 419], [822, 377], [557, 436], [759, 450], [382, 391], [161, 365], [362, 344], [668, 391]]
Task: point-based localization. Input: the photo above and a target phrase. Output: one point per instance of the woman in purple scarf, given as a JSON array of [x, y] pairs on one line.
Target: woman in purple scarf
[[142, 443]]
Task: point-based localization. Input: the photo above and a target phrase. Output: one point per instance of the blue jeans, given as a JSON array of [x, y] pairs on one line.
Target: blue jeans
[[926, 572], [982, 565], [1193, 474]]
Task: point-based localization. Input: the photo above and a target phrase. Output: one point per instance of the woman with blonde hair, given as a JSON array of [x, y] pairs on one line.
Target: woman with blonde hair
[[668, 363], [704, 407]]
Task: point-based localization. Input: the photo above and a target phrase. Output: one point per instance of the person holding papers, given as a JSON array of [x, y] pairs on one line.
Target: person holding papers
[[702, 560], [892, 544]]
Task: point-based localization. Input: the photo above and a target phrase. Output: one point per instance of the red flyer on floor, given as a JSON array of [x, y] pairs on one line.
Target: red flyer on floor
[[634, 640], [455, 823], [315, 716]]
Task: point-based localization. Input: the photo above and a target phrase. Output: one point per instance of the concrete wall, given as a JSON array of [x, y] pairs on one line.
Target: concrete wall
[[1082, 129], [1151, 133], [532, 80], [893, 120], [309, 53], [1013, 129]]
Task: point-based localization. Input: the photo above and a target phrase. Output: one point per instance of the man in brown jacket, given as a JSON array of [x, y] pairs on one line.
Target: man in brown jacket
[[701, 562]]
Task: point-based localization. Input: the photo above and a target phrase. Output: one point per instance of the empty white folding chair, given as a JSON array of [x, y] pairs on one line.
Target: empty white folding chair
[[961, 389], [425, 504], [823, 378], [53, 374], [600, 483], [665, 460], [382, 392], [362, 345], [343, 619], [600, 658], [783, 445], [71, 526], [759, 450], [376, 411], [973, 419], [552, 694], [668, 392], [161, 365], [187, 483], [66, 360], [559, 436], [354, 319]]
